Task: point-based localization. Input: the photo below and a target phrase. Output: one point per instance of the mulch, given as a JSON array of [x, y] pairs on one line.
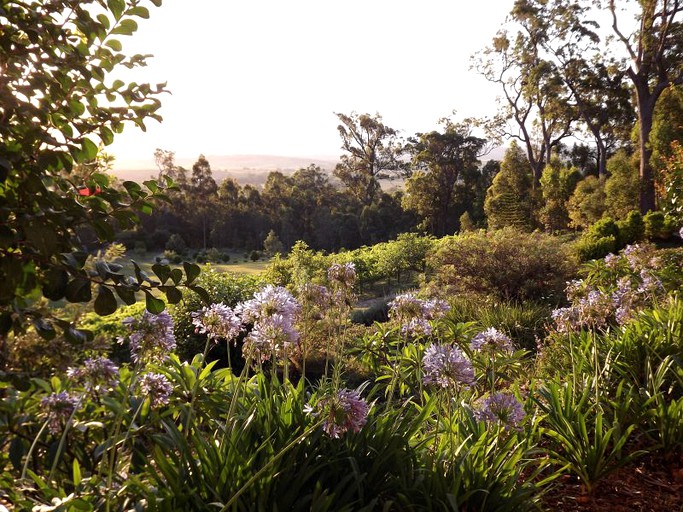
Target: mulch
[[648, 485]]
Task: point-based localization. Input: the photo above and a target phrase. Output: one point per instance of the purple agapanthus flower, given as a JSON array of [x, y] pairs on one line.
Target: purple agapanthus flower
[[342, 274], [152, 338], [271, 300], [157, 387], [503, 409], [271, 336], [415, 314], [491, 341], [217, 321], [59, 408], [96, 373], [345, 411], [315, 294], [446, 366]]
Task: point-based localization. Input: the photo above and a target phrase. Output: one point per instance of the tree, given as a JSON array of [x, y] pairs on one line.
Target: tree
[[587, 204], [597, 92], [442, 161], [509, 200], [373, 154], [272, 244], [202, 195], [656, 62], [622, 185], [59, 98], [557, 185], [535, 108]]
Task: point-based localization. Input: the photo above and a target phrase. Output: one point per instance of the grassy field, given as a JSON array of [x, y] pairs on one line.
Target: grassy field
[[237, 264]]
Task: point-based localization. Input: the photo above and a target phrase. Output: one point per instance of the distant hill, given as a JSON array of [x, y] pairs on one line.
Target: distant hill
[[250, 169], [246, 169]]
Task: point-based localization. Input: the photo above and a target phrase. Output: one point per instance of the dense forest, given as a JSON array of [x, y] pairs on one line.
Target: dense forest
[[483, 335]]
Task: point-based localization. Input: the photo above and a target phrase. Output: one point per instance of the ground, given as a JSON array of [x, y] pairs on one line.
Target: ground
[[647, 485]]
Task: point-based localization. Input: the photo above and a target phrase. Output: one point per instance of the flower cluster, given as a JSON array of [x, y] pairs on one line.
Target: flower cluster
[[96, 373], [342, 275], [415, 314], [632, 285], [152, 338], [271, 336], [344, 411], [592, 310], [503, 409], [271, 300], [217, 321], [491, 341], [315, 294], [446, 366], [273, 312], [59, 407], [157, 387]]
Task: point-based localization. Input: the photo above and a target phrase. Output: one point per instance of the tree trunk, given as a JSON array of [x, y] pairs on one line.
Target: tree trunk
[[646, 102]]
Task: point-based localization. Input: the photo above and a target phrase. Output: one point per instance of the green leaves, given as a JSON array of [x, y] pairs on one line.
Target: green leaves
[[87, 151], [192, 271], [127, 27], [153, 304], [54, 283], [78, 290], [105, 303]]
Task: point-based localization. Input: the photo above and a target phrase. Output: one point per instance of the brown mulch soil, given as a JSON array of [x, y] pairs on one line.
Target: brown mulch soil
[[646, 486]]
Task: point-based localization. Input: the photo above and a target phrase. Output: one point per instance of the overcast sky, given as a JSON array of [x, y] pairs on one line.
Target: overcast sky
[[267, 76]]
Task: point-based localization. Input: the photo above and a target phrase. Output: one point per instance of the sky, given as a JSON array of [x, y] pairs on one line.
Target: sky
[[267, 76]]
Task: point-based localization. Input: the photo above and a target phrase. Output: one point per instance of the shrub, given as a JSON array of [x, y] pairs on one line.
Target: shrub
[[254, 256], [176, 243], [172, 257], [525, 322], [506, 264], [140, 248], [214, 255], [589, 248], [631, 229], [657, 226]]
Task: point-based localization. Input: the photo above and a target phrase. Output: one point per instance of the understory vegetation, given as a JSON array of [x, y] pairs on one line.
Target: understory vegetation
[[491, 337], [270, 398]]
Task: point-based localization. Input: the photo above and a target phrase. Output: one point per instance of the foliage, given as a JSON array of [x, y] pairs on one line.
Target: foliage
[[557, 185], [631, 228], [622, 186], [657, 226], [671, 184], [509, 199], [373, 152], [445, 175], [506, 264], [61, 98], [526, 322], [587, 204]]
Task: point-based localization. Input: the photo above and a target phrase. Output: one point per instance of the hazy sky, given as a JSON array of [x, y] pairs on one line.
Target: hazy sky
[[266, 76]]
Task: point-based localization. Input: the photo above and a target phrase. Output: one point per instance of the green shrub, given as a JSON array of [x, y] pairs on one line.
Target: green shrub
[[214, 255], [176, 243], [631, 229], [603, 228], [173, 257], [656, 226], [589, 248], [506, 264], [525, 322]]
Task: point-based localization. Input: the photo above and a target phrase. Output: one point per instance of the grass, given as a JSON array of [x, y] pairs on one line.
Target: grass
[[237, 264]]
